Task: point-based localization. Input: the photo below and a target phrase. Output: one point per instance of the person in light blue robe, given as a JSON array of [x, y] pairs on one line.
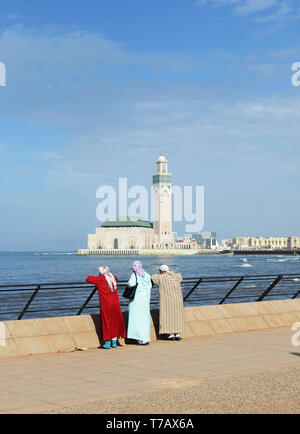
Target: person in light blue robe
[[139, 308]]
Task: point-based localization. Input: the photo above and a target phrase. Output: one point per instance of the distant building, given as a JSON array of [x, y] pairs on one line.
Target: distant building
[[206, 239], [211, 243], [123, 234], [162, 204], [294, 242], [226, 244], [261, 243], [136, 233]]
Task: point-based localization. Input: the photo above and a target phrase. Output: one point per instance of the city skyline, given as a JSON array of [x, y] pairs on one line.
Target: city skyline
[[95, 92]]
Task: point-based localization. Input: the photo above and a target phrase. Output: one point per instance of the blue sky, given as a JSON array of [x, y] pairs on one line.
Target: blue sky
[[96, 90]]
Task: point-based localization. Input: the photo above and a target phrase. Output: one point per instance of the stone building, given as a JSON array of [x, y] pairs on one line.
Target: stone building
[[162, 204], [294, 242], [270, 243], [138, 234], [122, 234]]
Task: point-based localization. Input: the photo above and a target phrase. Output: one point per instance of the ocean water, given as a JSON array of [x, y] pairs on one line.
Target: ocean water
[[51, 267], [40, 267]]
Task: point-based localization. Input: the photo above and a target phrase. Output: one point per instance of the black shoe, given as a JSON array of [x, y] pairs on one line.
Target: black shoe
[[171, 338], [177, 338]]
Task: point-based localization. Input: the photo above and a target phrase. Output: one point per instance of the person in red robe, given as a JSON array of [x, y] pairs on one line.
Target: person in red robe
[[111, 317]]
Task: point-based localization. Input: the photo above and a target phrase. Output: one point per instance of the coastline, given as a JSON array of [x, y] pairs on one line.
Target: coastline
[[182, 252], [295, 252]]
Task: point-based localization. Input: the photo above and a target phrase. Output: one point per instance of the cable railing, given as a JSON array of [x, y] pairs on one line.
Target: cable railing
[[73, 298]]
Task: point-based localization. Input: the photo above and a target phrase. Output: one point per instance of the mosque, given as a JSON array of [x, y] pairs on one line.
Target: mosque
[[130, 235]]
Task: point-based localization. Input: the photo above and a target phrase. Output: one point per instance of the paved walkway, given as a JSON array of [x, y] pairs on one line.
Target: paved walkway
[[52, 382]]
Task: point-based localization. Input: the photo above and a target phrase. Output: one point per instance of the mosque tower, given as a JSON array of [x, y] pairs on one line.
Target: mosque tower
[[162, 203]]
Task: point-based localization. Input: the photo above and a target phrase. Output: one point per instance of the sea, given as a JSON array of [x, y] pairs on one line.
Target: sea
[[24, 268]]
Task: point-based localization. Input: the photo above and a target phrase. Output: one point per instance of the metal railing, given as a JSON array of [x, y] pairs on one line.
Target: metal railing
[[55, 299]]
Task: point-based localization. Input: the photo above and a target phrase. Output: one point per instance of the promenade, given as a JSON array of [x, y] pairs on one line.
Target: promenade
[[246, 372]]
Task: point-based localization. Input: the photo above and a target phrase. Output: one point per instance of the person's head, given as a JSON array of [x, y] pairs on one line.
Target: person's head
[[103, 269], [110, 278], [137, 267], [163, 269]]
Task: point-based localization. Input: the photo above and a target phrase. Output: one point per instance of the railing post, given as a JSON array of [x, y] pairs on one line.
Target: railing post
[[273, 284], [87, 301], [29, 302], [296, 295], [231, 291], [192, 290]]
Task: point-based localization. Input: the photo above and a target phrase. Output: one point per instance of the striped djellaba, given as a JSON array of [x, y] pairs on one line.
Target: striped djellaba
[[171, 316]]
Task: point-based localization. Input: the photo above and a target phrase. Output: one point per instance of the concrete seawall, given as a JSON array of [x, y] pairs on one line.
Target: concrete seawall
[[63, 334], [138, 252]]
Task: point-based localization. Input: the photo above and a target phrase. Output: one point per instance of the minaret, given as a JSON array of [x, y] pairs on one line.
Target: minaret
[[162, 202]]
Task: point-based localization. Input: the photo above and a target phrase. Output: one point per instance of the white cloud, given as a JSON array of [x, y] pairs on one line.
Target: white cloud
[[9, 16], [282, 12], [252, 6], [241, 6], [263, 10], [101, 101]]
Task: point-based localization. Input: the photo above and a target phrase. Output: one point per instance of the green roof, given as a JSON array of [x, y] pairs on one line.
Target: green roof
[[127, 222], [161, 178]]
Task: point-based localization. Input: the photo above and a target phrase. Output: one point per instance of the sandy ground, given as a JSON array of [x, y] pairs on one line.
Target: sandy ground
[[267, 392]]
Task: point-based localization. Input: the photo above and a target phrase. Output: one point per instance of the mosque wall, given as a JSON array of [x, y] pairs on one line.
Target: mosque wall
[[122, 238]]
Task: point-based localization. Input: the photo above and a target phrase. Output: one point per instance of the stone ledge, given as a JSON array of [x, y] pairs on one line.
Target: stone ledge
[[60, 334]]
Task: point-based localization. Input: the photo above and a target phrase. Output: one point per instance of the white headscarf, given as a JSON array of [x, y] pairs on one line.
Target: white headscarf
[[164, 268], [109, 277]]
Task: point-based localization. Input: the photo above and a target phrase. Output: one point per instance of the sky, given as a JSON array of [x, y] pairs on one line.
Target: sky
[[95, 90]]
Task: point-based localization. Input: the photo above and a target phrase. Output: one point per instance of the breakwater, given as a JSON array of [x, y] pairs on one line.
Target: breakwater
[[183, 252], [136, 252], [294, 252]]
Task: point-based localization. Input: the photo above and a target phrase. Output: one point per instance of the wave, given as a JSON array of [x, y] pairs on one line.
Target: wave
[[276, 260], [245, 265]]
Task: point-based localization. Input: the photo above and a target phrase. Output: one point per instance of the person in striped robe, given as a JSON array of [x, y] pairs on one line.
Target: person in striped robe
[[171, 316]]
